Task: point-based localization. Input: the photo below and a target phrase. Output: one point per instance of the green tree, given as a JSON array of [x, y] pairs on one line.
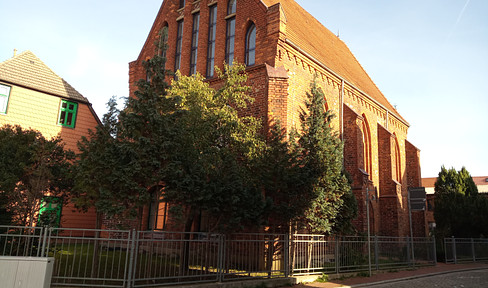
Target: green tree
[[322, 152], [31, 166], [121, 162], [210, 148], [459, 209], [281, 174], [108, 172]]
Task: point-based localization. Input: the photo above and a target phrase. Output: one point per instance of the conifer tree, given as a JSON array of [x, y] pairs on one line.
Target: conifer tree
[[322, 152]]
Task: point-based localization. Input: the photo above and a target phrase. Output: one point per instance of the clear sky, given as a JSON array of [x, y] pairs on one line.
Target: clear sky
[[428, 57]]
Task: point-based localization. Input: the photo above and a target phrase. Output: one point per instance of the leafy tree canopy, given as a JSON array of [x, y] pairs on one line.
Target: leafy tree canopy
[[31, 166], [459, 210]]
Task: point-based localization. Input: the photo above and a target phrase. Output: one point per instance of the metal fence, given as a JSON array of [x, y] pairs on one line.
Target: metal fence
[[465, 250], [128, 258], [314, 254]]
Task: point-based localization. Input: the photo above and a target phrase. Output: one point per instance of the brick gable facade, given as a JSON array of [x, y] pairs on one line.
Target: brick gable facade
[[293, 49]]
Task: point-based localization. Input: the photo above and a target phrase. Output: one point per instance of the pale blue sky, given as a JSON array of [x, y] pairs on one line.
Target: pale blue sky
[[428, 57]]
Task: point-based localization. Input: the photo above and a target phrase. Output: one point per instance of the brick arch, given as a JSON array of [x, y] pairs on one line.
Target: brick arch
[[397, 168], [367, 150]]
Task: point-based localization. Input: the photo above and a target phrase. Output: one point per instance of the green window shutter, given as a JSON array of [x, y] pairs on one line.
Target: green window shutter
[[67, 113], [4, 95]]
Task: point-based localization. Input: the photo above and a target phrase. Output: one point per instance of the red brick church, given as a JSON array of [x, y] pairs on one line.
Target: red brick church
[[284, 47]]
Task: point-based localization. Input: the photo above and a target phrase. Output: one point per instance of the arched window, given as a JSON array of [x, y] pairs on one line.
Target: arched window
[[231, 32], [367, 148], [163, 45], [251, 45], [397, 169]]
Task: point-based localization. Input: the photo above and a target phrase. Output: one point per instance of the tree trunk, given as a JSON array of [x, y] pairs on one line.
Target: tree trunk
[[185, 249], [96, 245]]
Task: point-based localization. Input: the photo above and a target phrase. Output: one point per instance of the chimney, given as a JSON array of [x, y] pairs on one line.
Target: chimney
[[15, 52]]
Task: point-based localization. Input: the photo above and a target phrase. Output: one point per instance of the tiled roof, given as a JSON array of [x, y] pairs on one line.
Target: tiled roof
[[311, 36], [29, 71]]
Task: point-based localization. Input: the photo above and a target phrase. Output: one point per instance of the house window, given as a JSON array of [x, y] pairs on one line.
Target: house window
[[251, 45], [179, 42], [50, 211], [4, 95], [194, 43], [182, 3], [211, 41], [231, 32], [67, 113], [158, 212]]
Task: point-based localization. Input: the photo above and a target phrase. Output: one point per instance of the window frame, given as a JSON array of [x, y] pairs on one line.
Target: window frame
[[67, 111], [158, 208], [8, 90], [194, 43], [230, 34], [179, 44], [212, 35], [249, 48], [182, 4]]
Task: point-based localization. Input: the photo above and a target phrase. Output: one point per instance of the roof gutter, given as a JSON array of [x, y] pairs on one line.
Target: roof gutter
[[289, 42]]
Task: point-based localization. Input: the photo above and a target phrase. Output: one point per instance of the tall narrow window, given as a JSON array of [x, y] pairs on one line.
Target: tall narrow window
[[231, 32], [251, 45], [4, 95], [182, 3], [67, 113], [398, 168], [163, 45], [158, 211], [212, 25], [194, 43], [179, 42], [367, 148]]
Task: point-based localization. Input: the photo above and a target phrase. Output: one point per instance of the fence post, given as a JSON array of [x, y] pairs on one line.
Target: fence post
[[221, 259], [44, 239], [286, 254], [336, 252], [435, 250], [409, 260], [454, 256], [472, 250], [131, 270], [376, 253]]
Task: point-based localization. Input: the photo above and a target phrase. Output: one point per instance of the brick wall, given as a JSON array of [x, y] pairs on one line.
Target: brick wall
[[280, 80]]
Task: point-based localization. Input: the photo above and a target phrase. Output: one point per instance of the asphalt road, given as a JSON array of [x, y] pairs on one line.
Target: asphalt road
[[466, 279]]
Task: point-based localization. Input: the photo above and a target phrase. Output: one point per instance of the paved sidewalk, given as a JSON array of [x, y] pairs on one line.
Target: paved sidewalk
[[384, 277]]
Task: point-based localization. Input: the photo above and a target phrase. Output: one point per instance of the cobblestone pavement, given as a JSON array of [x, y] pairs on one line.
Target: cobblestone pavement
[[465, 279], [443, 275]]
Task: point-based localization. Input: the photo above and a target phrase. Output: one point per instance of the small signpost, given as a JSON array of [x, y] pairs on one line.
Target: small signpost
[[416, 202]]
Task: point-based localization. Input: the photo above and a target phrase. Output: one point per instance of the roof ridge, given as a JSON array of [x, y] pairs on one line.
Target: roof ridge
[[52, 84]]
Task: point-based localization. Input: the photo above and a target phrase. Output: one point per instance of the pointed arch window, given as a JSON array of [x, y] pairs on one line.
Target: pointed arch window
[[367, 148], [231, 32], [397, 169], [163, 45], [251, 45]]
